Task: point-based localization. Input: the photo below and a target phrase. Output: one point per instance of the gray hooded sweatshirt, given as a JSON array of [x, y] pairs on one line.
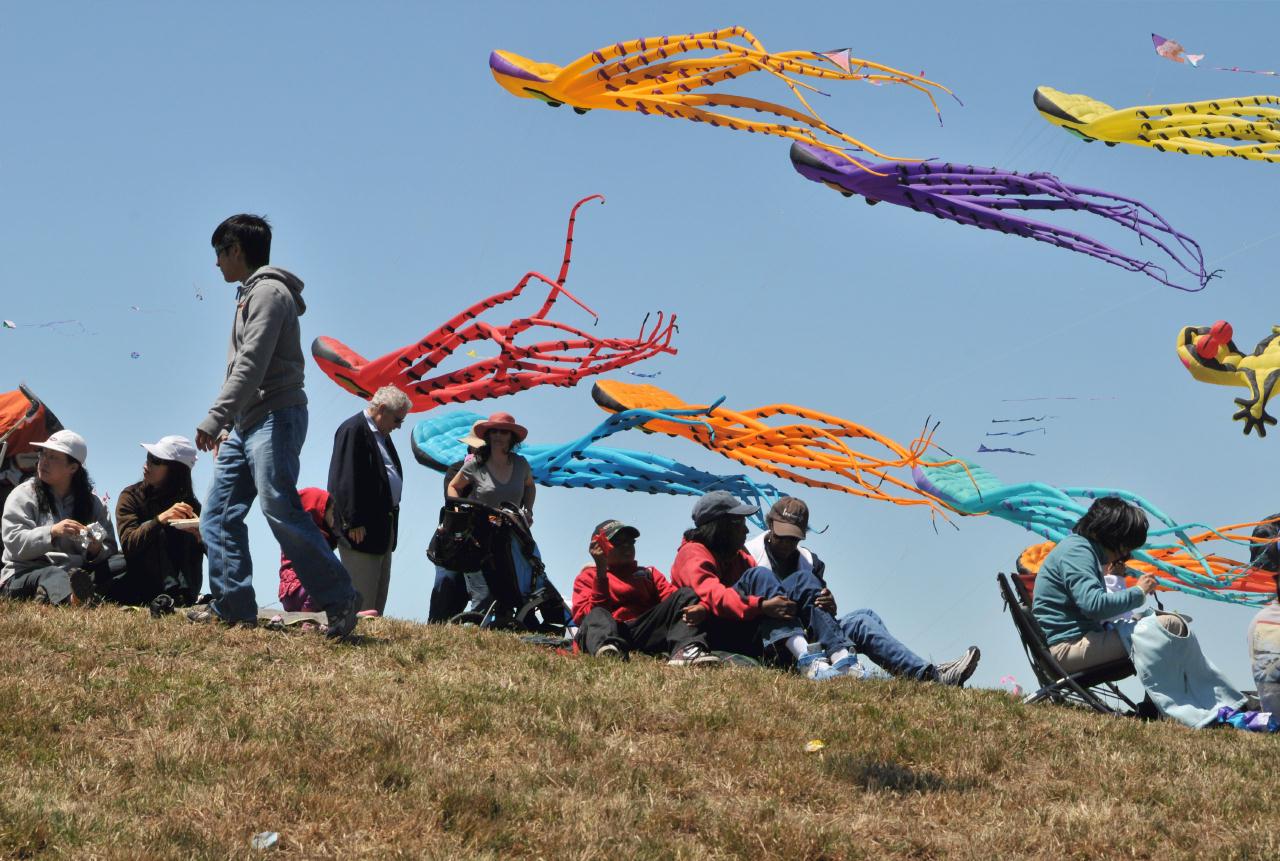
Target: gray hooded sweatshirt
[[265, 363]]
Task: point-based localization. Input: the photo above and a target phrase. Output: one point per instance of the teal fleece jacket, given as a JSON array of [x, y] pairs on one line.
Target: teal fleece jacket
[[1071, 599]]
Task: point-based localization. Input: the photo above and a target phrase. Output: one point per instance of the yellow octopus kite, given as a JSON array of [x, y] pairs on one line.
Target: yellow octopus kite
[[649, 76], [1193, 128]]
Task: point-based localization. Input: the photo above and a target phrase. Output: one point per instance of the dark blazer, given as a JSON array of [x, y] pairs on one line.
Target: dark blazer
[[359, 486]]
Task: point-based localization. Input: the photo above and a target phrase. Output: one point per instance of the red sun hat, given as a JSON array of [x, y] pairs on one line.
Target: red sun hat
[[500, 421]]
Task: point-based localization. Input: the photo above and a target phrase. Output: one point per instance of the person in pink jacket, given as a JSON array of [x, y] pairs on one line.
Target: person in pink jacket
[[317, 504]]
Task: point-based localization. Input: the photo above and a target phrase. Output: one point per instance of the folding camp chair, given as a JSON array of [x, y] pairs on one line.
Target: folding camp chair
[[1094, 688]]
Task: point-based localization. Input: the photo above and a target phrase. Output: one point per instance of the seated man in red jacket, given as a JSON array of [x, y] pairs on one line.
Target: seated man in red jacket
[[619, 606]]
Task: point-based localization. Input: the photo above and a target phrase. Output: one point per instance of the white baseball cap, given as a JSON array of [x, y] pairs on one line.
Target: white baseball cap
[[177, 448], [68, 442]]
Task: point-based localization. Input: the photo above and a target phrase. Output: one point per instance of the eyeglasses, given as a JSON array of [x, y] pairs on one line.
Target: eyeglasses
[[152, 460]]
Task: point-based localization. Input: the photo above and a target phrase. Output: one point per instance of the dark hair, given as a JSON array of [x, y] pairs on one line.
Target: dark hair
[[251, 232], [81, 494], [721, 536], [1114, 523], [177, 483], [1265, 554], [483, 452]]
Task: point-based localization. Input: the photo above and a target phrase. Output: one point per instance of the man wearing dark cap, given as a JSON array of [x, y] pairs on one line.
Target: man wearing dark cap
[[750, 612], [801, 573], [619, 606]]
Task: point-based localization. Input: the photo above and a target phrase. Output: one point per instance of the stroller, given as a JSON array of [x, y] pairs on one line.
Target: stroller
[[24, 419], [497, 543]]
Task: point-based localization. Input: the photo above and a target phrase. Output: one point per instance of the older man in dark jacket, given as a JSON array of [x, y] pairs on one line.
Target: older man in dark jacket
[[365, 480]]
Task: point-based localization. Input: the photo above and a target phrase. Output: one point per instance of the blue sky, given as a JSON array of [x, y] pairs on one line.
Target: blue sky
[[404, 183]]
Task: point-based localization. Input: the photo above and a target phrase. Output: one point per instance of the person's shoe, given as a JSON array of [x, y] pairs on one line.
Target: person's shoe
[[815, 668], [956, 673], [81, 587], [161, 605], [42, 596], [342, 618], [692, 655], [203, 614], [849, 666], [610, 652]]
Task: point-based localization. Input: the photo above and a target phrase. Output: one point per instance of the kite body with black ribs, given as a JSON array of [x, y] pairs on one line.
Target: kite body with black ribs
[[1210, 355], [994, 199], [574, 353], [1191, 128], [657, 76], [811, 448], [1172, 552], [437, 443]]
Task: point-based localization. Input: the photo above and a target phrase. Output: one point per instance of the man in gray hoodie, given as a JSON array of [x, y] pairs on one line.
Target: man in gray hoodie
[[256, 428]]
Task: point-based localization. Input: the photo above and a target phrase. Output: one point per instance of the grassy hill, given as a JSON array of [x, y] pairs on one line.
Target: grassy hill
[[127, 737]]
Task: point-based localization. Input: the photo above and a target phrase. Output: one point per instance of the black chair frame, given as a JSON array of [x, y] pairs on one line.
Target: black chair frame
[[1093, 688]]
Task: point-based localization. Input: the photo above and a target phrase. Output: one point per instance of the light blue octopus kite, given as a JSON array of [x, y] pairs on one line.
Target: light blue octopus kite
[[437, 443], [1051, 512]]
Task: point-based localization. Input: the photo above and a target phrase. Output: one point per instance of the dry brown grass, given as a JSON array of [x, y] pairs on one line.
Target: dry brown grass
[[124, 737]]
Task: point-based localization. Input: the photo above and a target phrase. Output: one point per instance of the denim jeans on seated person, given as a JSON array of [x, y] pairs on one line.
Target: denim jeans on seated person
[[752, 636], [870, 637], [803, 588], [262, 461]]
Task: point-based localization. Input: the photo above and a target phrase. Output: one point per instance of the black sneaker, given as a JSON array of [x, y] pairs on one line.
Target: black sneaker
[[956, 673], [612, 652], [81, 587], [342, 618], [692, 655]]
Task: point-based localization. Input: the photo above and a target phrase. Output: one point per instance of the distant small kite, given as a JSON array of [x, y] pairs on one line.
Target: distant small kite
[[1174, 51]]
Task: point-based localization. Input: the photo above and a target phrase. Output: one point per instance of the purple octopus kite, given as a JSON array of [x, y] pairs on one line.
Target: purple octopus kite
[[984, 197]]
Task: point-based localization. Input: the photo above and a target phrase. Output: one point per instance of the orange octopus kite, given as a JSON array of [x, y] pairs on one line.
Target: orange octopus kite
[[817, 444], [643, 76]]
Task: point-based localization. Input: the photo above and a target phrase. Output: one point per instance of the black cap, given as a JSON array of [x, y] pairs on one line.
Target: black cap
[[613, 528], [720, 503]]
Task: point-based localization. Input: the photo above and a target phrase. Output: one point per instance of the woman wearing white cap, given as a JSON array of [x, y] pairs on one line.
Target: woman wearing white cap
[[160, 529], [55, 531]]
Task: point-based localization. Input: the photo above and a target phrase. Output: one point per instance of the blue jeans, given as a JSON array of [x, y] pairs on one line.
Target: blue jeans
[[803, 588], [263, 461], [870, 637], [752, 636]]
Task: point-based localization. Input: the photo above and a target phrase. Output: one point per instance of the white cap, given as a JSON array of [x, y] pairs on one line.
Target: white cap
[[68, 442], [177, 448]]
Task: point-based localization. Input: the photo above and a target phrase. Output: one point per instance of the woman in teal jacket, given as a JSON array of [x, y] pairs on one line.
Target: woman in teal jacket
[[1072, 602]]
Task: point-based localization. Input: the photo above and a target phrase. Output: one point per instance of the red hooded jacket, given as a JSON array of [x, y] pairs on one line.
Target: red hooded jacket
[[695, 567], [630, 591]]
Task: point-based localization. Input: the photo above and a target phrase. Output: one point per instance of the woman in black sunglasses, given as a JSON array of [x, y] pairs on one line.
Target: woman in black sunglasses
[[159, 529]]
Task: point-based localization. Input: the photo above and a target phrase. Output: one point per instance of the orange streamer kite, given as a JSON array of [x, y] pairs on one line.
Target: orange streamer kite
[[645, 76], [816, 445]]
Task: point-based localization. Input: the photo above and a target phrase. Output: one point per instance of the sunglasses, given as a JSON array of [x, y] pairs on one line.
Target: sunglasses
[[152, 460]]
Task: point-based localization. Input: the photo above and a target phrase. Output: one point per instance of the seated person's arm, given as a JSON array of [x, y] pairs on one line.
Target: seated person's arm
[[459, 484], [1092, 598], [22, 536]]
